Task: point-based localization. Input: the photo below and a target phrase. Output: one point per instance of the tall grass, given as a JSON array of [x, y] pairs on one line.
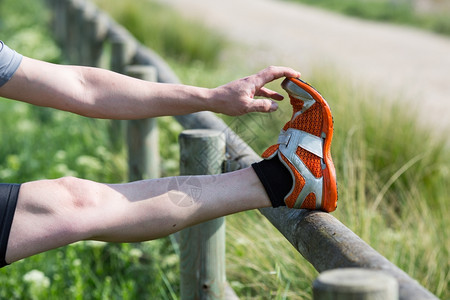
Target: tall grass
[[393, 190]]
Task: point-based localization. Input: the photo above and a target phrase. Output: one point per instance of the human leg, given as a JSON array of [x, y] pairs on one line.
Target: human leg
[[54, 213]]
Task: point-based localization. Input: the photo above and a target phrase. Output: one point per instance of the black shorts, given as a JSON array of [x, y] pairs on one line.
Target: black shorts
[[8, 200]]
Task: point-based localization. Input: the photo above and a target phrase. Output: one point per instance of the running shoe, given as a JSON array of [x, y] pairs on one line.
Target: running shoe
[[304, 148]]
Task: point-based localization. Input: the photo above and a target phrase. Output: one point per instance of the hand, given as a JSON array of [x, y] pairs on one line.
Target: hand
[[238, 97]]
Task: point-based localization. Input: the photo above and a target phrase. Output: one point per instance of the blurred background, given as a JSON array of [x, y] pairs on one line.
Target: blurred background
[[382, 65]]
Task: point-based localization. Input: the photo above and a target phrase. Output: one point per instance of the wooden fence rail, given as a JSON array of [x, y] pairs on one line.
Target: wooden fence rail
[[88, 36]]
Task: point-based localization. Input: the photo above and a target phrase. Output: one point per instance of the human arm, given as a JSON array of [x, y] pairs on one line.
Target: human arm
[[100, 93]]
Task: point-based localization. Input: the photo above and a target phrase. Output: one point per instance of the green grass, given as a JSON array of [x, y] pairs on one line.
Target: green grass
[[95, 270], [393, 183], [151, 23], [398, 11], [25, 32]]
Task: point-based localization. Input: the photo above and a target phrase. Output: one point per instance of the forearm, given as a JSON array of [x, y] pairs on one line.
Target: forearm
[[99, 93], [112, 95]]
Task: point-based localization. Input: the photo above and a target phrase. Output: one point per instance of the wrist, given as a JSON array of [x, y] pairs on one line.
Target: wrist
[[209, 99], [186, 99]]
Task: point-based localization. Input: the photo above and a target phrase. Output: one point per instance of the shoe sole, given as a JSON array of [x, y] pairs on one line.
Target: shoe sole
[[329, 190]]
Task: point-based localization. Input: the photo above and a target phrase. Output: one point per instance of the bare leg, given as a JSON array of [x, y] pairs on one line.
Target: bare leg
[[54, 213]]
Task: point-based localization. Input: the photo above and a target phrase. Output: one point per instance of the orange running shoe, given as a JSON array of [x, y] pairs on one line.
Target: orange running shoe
[[304, 148]]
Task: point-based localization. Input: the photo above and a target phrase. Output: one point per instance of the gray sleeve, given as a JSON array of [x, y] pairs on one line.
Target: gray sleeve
[[9, 63]]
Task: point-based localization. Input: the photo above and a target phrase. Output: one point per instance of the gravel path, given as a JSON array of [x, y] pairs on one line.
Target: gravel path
[[395, 59]]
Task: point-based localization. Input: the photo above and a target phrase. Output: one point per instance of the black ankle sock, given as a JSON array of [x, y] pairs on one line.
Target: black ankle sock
[[275, 178]]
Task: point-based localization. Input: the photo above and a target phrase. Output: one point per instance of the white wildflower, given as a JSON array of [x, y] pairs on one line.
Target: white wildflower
[[76, 262], [37, 278], [60, 155], [136, 253]]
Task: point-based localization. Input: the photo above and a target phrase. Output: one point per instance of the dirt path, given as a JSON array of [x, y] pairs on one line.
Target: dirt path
[[399, 60]]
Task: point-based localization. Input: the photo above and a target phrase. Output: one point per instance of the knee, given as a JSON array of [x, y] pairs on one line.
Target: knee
[[80, 201], [78, 194], [59, 211]]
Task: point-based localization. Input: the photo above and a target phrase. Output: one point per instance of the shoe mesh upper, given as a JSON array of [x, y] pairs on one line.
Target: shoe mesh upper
[[311, 161], [269, 151], [309, 121], [310, 202]]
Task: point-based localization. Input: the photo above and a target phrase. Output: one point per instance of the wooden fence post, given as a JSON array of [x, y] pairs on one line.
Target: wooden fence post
[[355, 284], [202, 247], [62, 26], [73, 38], [58, 19], [94, 30], [81, 37], [121, 56], [142, 136]]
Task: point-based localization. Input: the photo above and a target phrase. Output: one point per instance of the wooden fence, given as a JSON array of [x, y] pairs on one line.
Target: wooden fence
[[90, 37]]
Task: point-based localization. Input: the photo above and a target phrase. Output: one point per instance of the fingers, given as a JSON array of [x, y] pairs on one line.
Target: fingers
[[262, 78], [238, 97], [265, 92], [271, 73]]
